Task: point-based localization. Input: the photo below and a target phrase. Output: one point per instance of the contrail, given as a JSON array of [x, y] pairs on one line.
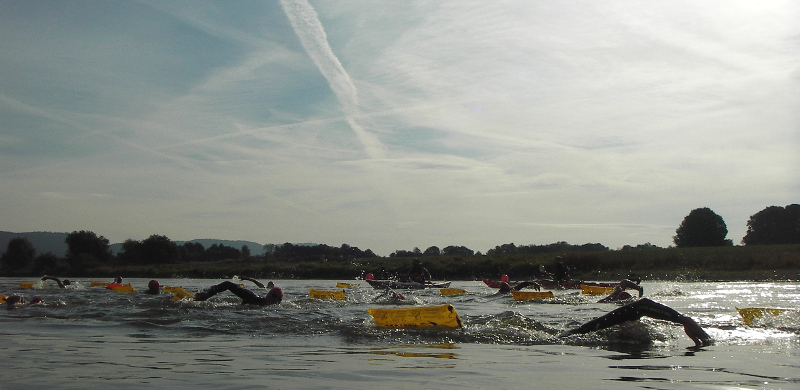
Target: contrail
[[306, 25]]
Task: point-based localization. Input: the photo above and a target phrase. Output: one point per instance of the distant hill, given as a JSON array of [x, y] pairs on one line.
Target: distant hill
[[55, 243], [43, 241]]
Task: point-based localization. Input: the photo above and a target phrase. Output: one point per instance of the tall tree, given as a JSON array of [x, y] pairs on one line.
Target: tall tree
[[774, 225], [702, 227], [85, 250], [18, 255]]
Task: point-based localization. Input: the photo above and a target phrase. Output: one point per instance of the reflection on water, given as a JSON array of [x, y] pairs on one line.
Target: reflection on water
[[96, 337]]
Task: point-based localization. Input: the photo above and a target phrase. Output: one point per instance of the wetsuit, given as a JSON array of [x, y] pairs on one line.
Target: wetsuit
[[645, 307], [631, 312], [274, 296]]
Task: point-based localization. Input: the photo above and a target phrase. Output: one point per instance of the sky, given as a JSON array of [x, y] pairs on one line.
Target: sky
[[390, 125]]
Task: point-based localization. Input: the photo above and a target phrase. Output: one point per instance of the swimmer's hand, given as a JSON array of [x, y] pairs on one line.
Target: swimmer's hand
[[696, 333], [201, 296]]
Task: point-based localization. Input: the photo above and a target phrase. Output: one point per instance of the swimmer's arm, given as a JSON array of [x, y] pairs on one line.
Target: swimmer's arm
[[257, 283], [57, 280], [695, 332]]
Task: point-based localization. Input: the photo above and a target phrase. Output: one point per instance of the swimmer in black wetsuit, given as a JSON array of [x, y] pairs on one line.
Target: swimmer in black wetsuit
[[18, 301], [619, 293], [61, 284], [506, 288], [646, 307], [274, 296]]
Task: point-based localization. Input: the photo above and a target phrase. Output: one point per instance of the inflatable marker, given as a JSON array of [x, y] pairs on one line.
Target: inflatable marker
[[3, 298], [346, 285], [123, 288], [749, 314], [325, 294], [528, 295], [180, 293], [98, 284], [596, 290], [417, 317], [452, 291], [27, 285]]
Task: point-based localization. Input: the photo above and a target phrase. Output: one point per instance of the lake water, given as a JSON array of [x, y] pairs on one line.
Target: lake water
[[92, 338]]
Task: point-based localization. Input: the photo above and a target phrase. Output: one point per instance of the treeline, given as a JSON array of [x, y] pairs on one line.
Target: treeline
[[89, 253]]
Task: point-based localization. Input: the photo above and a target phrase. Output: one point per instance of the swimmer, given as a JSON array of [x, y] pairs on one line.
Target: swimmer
[[619, 293], [61, 284], [269, 285], [645, 307], [274, 296], [18, 302], [153, 287], [506, 288]]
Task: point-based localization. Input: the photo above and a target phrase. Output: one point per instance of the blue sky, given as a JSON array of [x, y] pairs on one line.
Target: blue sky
[[399, 124]]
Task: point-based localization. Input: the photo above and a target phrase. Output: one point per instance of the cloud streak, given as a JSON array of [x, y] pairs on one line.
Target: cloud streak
[[309, 30]]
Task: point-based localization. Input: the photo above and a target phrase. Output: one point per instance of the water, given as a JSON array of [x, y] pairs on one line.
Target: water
[[93, 338]]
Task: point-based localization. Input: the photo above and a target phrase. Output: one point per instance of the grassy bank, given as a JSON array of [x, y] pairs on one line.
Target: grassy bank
[[768, 262]]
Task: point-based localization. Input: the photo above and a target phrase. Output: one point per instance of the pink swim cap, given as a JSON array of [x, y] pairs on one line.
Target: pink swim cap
[[36, 300], [504, 278]]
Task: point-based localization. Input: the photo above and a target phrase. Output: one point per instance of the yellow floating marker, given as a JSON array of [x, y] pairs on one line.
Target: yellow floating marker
[[751, 313], [417, 317], [452, 291], [325, 294], [596, 290], [3, 298], [124, 288], [528, 295], [27, 285], [346, 285], [180, 293], [98, 284]]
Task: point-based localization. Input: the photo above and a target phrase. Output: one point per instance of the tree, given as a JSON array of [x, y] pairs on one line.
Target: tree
[[432, 251], [18, 255], [702, 227], [774, 225], [86, 250]]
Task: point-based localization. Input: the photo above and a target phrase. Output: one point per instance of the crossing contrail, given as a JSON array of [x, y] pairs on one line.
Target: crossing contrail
[[309, 30]]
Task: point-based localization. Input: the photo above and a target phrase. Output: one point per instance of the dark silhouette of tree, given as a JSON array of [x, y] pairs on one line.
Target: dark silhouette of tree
[[774, 225], [86, 250], [432, 251], [155, 249], [702, 227], [453, 250], [18, 255]]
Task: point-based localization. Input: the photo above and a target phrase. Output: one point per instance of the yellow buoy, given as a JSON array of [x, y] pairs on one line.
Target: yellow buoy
[[346, 285], [3, 298], [751, 313], [417, 317], [325, 294], [98, 284], [528, 295], [180, 293], [27, 285], [125, 288], [596, 290], [452, 291]]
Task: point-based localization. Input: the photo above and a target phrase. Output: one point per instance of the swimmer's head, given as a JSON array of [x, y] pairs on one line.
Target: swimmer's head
[[118, 279], [14, 301], [153, 287], [36, 300], [270, 284], [275, 295], [66, 282]]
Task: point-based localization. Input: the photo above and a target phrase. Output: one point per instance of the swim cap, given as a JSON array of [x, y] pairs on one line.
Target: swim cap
[[36, 300], [504, 278], [370, 276], [153, 285], [275, 295]]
